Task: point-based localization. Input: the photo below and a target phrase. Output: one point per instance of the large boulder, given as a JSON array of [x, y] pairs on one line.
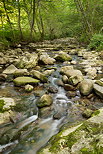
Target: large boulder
[[10, 69], [39, 75], [81, 138], [20, 81], [46, 59], [45, 100], [73, 72], [28, 61], [98, 90], [86, 87], [74, 80], [62, 56]]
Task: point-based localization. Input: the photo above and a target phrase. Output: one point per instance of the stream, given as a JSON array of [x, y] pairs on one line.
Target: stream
[[34, 125]]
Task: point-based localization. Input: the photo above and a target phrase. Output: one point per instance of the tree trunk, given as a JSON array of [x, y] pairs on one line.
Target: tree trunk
[[8, 20], [19, 20]]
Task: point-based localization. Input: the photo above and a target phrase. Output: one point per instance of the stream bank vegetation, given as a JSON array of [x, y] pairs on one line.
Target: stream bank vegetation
[[36, 20]]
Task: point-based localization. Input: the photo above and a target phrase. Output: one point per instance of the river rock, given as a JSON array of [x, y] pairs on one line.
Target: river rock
[[62, 56], [74, 80], [6, 104], [87, 113], [21, 72], [70, 73], [98, 90], [52, 89], [3, 77], [73, 62], [71, 94], [39, 75], [3, 61], [65, 79], [28, 61], [91, 72], [10, 69], [65, 68], [28, 88], [48, 72], [99, 82], [46, 59], [69, 87], [81, 138], [20, 81], [86, 87], [45, 100]]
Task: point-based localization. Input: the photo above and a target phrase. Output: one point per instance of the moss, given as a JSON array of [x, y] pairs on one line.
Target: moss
[[84, 150], [96, 113], [1, 106]]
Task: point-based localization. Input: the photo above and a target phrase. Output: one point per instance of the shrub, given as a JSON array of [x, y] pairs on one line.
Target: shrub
[[96, 42]]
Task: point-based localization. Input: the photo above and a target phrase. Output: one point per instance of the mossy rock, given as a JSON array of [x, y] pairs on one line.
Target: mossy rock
[[1, 106], [20, 81], [84, 138]]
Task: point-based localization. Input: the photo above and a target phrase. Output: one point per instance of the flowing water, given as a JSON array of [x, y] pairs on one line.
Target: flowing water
[[36, 130]]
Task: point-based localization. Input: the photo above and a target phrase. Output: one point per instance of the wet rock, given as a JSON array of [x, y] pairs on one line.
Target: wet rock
[[39, 75], [65, 69], [91, 72], [60, 83], [74, 80], [62, 56], [10, 69], [82, 138], [99, 82], [28, 88], [73, 62], [20, 81], [87, 113], [73, 72], [65, 79], [10, 136], [86, 87], [45, 59], [57, 115], [52, 89], [70, 94], [45, 112], [48, 72], [6, 103], [98, 90], [45, 100], [21, 72], [69, 87], [3, 77], [3, 61]]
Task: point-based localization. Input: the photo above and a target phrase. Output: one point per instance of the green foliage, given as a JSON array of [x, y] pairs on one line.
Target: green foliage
[[51, 19], [96, 42]]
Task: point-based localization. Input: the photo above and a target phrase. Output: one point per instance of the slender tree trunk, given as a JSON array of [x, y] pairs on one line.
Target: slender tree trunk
[[19, 20], [8, 19], [33, 20]]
